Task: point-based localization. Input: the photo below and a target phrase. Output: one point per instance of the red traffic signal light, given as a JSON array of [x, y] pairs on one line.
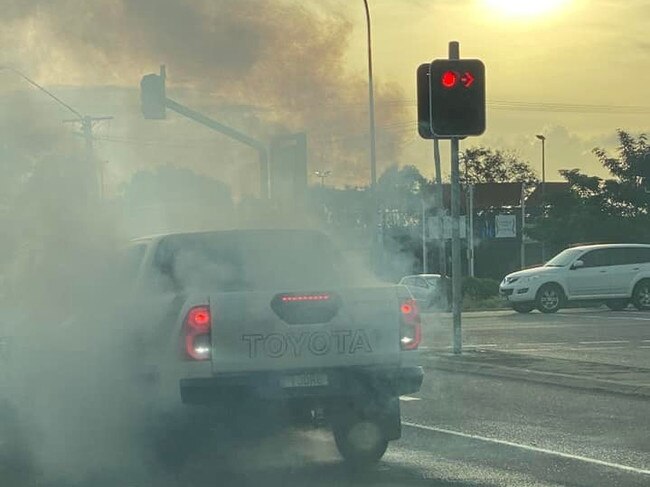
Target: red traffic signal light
[[457, 97], [449, 79]]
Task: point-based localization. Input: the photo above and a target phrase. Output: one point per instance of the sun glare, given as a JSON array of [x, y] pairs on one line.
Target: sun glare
[[525, 8]]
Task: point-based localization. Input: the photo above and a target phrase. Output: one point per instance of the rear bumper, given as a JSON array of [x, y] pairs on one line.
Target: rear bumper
[[342, 382]]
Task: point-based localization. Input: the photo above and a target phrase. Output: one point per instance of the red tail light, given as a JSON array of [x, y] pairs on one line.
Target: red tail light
[[410, 325], [197, 333]]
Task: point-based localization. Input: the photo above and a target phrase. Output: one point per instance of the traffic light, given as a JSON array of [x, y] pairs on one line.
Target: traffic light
[[152, 96], [457, 90], [424, 101]]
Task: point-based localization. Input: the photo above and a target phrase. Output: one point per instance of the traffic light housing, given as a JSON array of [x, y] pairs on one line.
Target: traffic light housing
[[152, 96], [457, 91], [424, 101]]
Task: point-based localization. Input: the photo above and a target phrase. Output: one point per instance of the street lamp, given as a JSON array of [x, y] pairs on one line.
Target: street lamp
[[371, 104], [543, 139], [322, 175]]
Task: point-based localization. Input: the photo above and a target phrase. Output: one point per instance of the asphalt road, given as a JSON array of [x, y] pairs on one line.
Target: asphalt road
[[460, 431], [596, 335]]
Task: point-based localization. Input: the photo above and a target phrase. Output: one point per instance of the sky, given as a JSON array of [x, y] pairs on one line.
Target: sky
[[272, 66], [584, 52]]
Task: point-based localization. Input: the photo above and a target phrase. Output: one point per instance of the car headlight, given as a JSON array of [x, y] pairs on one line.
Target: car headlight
[[528, 279]]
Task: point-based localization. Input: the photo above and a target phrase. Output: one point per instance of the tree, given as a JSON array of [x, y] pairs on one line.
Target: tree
[[400, 192], [484, 165], [603, 210]]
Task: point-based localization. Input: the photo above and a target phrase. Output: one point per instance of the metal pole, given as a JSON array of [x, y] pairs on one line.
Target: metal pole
[[523, 225], [456, 271], [87, 132], [470, 230], [233, 134], [543, 139], [371, 103], [377, 228], [442, 251], [424, 238], [544, 172]]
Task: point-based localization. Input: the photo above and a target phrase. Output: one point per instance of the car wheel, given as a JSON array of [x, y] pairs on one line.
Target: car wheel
[[617, 304], [523, 307], [641, 295], [361, 443], [550, 298]]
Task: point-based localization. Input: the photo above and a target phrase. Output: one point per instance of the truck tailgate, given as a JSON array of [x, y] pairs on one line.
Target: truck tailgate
[[291, 330]]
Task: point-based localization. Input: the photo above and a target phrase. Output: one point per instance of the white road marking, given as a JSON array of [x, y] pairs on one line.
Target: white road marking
[[409, 398], [604, 341], [611, 318], [541, 344], [529, 349], [522, 446], [579, 349]]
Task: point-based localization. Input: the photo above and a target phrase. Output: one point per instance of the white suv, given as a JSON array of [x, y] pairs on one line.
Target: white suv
[[614, 273]]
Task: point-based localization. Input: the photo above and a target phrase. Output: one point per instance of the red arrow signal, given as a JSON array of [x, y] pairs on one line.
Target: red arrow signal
[[467, 79]]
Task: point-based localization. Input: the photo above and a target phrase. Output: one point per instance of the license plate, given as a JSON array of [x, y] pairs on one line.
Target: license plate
[[304, 380]]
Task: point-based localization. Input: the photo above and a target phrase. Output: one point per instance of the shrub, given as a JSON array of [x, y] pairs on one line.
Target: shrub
[[477, 288]]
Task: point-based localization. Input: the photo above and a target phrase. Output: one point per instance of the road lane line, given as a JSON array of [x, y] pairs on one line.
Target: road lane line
[[409, 398], [522, 446], [604, 341], [541, 344], [595, 348], [612, 318]]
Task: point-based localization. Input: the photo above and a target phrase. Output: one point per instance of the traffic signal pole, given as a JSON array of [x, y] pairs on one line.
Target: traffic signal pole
[[233, 134], [451, 105], [442, 249], [456, 270], [153, 95]]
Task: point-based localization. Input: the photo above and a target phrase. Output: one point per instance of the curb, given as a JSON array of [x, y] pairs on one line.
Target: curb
[[453, 364]]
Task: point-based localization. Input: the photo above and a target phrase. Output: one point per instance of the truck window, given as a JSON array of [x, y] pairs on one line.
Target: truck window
[[250, 260]]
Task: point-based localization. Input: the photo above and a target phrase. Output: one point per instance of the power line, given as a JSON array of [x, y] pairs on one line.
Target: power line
[[48, 93]]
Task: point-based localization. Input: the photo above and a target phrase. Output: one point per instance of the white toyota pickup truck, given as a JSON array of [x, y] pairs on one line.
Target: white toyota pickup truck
[[267, 316]]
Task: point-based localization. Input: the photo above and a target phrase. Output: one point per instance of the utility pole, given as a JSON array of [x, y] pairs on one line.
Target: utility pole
[[456, 271], [87, 124]]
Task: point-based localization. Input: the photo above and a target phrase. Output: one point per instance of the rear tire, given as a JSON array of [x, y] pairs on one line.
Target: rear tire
[[617, 304], [363, 427], [641, 295], [550, 298], [523, 308], [361, 443]]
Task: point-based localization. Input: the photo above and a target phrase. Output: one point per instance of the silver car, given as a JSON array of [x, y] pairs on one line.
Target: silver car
[[428, 290]]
